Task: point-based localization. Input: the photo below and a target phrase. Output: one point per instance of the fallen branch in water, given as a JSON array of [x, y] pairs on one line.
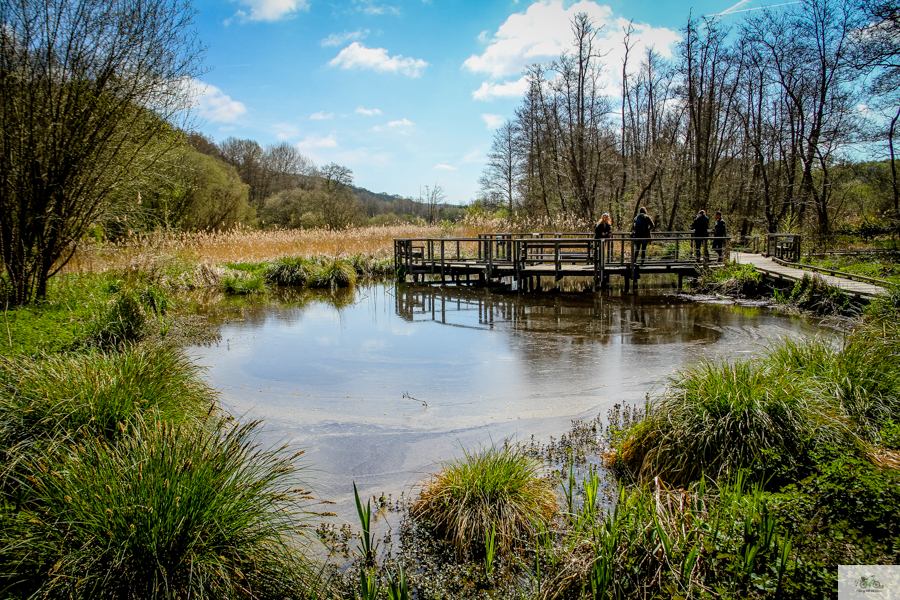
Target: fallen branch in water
[[406, 395]]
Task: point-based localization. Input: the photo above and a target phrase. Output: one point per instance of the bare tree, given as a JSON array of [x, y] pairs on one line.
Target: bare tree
[[433, 197], [89, 93], [502, 170]]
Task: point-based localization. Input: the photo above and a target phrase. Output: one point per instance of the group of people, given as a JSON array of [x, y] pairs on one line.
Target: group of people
[[643, 225]]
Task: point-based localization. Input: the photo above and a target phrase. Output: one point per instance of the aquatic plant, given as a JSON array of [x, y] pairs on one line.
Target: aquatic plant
[[732, 279], [331, 274], [165, 512], [288, 271], [495, 493], [716, 418], [815, 295]]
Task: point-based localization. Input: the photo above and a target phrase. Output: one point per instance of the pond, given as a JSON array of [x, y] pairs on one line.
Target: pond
[[381, 383]]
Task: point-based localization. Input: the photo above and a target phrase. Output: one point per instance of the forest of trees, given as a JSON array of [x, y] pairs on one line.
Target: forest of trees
[[784, 121]]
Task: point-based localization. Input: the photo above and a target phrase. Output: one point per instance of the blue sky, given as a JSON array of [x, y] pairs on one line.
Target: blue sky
[[406, 93]]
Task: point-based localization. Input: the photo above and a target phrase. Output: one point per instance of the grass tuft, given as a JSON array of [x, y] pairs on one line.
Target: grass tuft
[[166, 512], [497, 489]]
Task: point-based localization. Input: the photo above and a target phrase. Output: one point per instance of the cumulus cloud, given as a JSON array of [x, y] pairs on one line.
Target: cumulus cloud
[[357, 56], [213, 104], [339, 39], [368, 111], [269, 10], [312, 142], [510, 89], [543, 32], [443, 167], [402, 126], [284, 131], [321, 116], [493, 121]]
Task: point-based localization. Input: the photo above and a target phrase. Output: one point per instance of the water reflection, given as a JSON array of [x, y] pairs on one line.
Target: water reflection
[[333, 372]]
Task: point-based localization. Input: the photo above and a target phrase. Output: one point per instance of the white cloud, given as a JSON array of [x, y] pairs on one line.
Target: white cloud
[[314, 141], [269, 10], [443, 167], [320, 116], [475, 156], [339, 39], [493, 121], [368, 111], [213, 104], [370, 8], [543, 31], [358, 56], [284, 131], [510, 89], [401, 126]]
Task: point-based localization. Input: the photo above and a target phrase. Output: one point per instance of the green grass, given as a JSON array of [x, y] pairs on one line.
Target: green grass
[[166, 512], [332, 274], [716, 418], [731, 279], [74, 397], [497, 489]]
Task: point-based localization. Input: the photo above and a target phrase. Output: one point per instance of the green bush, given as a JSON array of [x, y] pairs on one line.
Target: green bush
[[166, 512], [496, 489], [332, 274], [288, 271]]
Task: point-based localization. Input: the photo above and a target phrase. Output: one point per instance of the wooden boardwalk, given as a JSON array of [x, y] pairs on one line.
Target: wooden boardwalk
[[772, 268], [522, 260]]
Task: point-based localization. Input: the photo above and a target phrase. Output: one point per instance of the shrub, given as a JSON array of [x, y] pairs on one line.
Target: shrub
[[167, 512], [496, 489]]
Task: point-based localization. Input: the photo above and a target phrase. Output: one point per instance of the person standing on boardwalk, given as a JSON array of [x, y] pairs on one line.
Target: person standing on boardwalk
[[603, 231], [719, 233], [640, 231], [700, 227]]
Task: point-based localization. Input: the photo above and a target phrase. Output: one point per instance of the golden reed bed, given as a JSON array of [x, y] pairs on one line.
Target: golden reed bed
[[244, 244]]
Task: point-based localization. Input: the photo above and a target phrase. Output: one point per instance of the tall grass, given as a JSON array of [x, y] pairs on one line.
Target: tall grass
[[496, 493], [716, 418], [168, 511], [95, 395]]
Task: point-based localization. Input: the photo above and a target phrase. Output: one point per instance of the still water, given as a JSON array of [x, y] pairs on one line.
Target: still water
[[381, 383]]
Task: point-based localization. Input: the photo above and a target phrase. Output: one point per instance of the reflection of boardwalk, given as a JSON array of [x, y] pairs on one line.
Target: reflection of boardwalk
[[771, 268]]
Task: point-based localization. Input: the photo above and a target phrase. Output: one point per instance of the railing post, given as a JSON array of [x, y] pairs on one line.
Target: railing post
[[442, 262]]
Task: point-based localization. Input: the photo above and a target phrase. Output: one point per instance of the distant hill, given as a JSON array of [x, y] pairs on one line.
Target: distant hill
[[383, 203]]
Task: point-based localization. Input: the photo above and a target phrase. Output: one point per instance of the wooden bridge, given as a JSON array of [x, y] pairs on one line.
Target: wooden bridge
[[523, 259]]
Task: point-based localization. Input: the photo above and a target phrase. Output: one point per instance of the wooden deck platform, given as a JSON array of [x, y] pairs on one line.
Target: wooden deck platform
[[772, 268]]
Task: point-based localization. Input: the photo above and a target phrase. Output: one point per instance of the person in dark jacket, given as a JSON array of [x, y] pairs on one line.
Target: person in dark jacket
[[700, 227], [603, 231], [640, 231], [720, 231]]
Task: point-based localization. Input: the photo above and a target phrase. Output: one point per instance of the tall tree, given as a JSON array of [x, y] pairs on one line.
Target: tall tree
[[89, 93], [502, 170]]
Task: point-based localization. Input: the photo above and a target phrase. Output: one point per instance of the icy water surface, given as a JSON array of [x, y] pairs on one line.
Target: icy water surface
[[395, 379]]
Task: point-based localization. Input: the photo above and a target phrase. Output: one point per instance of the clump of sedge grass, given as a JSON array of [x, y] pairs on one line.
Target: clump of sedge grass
[[497, 489], [95, 395], [288, 271], [716, 418], [862, 376], [332, 274], [166, 512]]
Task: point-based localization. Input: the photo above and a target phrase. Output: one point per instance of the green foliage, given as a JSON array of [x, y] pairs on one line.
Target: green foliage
[[244, 278], [497, 489], [166, 512], [331, 274], [289, 271], [131, 315], [814, 295], [718, 418], [732, 279], [74, 397]]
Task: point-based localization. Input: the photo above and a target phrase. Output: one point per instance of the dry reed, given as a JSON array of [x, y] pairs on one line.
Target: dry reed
[[243, 244]]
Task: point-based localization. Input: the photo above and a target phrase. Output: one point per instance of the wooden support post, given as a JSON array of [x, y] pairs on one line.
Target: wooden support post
[[680, 281]]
